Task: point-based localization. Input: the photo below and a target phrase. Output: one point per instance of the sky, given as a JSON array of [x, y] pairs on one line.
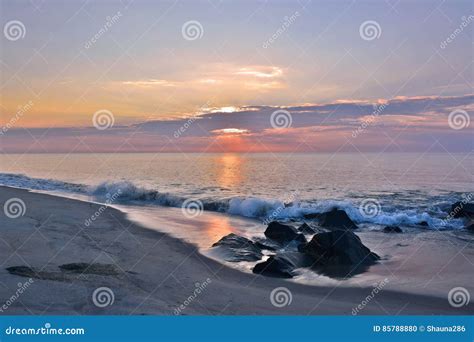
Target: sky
[[236, 76]]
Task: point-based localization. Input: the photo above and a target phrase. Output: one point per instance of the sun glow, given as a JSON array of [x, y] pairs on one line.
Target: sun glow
[[230, 131]]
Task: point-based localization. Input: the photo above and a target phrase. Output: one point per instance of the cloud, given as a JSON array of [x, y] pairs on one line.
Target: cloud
[[232, 131], [150, 83], [261, 71], [415, 123], [251, 77]]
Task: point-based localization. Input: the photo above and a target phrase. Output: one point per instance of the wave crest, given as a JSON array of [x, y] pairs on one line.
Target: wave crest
[[252, 207]]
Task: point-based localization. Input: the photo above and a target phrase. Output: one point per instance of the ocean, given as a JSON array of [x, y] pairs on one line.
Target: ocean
[[405, 189], [241, 193]]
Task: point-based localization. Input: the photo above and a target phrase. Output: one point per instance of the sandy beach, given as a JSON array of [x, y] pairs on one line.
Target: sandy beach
[[149, 272]]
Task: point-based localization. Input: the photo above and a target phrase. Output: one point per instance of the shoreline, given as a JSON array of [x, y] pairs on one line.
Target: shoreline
[[154, 273]]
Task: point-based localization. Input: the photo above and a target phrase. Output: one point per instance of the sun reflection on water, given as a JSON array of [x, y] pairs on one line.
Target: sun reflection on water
[[230, 170]]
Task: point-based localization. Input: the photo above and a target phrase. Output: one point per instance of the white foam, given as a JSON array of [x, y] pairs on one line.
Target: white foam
[[252, 207]]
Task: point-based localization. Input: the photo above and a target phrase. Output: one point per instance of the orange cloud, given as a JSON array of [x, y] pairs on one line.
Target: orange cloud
[[150, 83], [261, 71]]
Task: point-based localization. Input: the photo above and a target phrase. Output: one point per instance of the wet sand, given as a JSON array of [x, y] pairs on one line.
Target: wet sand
[[422, 261], [149, 272]]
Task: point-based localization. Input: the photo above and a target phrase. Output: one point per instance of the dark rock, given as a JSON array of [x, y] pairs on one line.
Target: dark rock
[[283, 233], [67, 271], [462, 209], [312, 216], [29, 272], [22, 271], [90, 268], [338, 247], [267, 244], [298, 259], [306, 229], [337, 218], [470, 227], [424, 224], [339, 254], [392, 229], [236, 248], [275, 266]]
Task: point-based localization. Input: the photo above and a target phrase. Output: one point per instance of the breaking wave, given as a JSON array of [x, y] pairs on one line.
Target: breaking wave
[[125, 192]]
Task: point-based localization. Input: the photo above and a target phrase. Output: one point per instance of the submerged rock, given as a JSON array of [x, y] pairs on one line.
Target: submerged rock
[[461, 209], [23, 271], [336, 218], [392, 229], [90, 268], [283, 233], [66, 272], [29, 272], [338, 247], [275, 266], [236, 248]]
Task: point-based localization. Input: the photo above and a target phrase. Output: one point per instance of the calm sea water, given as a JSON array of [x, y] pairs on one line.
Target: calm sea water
[[403, 189]]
